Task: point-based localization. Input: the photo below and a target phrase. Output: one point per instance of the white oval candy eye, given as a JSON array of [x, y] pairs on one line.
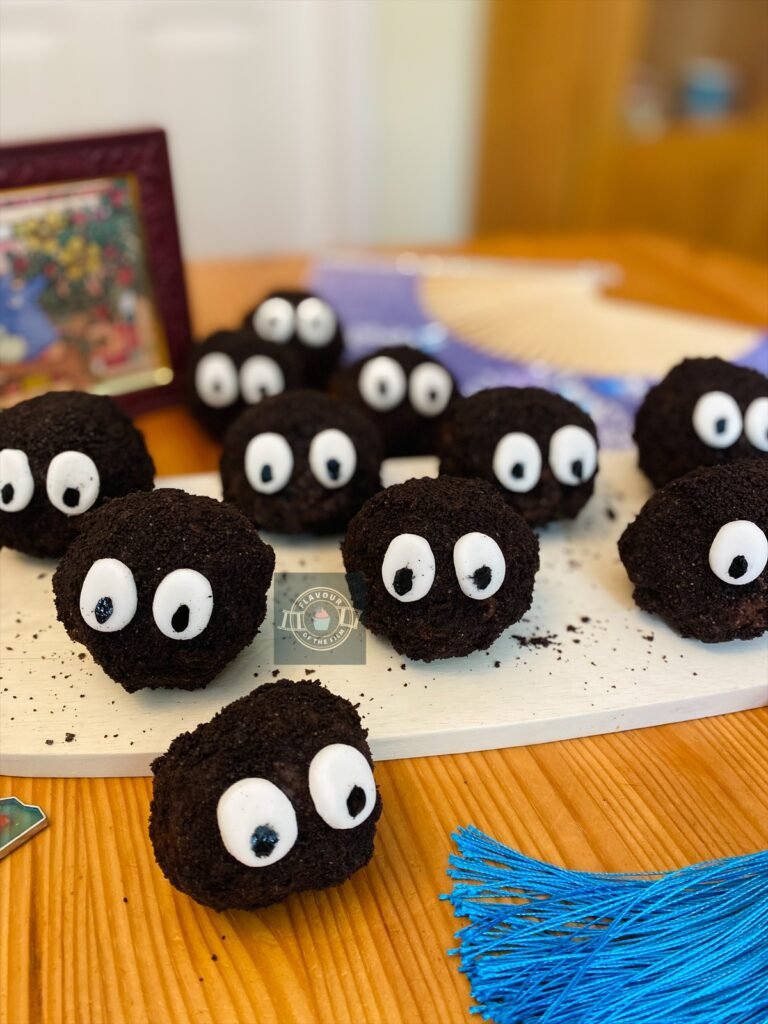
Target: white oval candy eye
[[408, 569], [216, 380], [479, 564], [72, 482], [341, 786], [257, 822], [756, 424], [332, 458], [16, 483], [382, 383], [108, 596], [572, 455], [183, 604], [517, 462], [315, 322], [274, 320], [430, 388], [717, 419], [260, 377], [268, 463], [739, 552]]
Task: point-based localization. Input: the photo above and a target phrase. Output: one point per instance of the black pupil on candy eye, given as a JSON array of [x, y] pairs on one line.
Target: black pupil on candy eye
[[403, 581], [738, 567], [334, 468], [217, 385], [578, 468], [264, 390], [382, 387], [7, 494], [264, 840], [355, 801], [432, 396], [266, 474], [482, 577], [180, 618], [103, 609], [720, 425], [71, 497], [518, 471]]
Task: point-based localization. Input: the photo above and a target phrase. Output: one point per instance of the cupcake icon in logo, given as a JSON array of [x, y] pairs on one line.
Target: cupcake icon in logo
[[321, 619]]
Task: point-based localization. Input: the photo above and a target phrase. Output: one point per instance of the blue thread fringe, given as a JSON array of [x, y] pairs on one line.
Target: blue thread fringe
[[549, 946]]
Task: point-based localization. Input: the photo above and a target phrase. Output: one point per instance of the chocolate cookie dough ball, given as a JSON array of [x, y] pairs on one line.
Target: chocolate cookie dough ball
[[305, 324], [405, 392], [440, 567], [705, 412], [538, 449], [164, 588], [274, 795], [62, 454], [697, 552], [232, 370], [301, 463]]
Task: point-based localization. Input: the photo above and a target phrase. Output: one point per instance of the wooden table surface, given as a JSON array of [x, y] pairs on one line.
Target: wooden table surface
[[91, 931]]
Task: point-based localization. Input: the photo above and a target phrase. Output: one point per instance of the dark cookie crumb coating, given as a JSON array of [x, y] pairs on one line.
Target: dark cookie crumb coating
[[273, 733], [239, 346], [69, 421], [303, 505], [667, 443], [404, 430], [317, 363], [445, 623], [476, 424], [666, 553], [153, 534]]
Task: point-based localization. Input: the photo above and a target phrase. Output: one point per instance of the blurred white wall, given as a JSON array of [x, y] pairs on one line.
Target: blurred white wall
[[427, 93], [293, 124]]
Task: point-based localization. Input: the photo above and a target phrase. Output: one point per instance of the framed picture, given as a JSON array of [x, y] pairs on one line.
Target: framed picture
[[92, 292]]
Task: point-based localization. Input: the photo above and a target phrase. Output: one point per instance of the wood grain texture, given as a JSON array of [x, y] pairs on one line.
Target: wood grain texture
[[91, 932]]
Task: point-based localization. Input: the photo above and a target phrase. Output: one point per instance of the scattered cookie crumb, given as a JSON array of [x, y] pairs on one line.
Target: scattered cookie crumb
[[536, 641]]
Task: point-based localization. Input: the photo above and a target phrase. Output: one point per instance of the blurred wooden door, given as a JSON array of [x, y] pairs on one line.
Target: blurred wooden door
[[554, 154], [555, 69]]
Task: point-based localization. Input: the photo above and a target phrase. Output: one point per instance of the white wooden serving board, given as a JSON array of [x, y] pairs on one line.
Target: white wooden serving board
[[621, 669]]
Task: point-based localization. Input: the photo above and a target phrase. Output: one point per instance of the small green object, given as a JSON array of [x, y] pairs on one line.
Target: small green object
[[18, 823]]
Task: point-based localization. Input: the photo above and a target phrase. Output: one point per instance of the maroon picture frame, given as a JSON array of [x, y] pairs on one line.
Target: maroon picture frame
[[144, 155]]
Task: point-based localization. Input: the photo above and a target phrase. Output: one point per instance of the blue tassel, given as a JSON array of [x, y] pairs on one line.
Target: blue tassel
[[549, 946]]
